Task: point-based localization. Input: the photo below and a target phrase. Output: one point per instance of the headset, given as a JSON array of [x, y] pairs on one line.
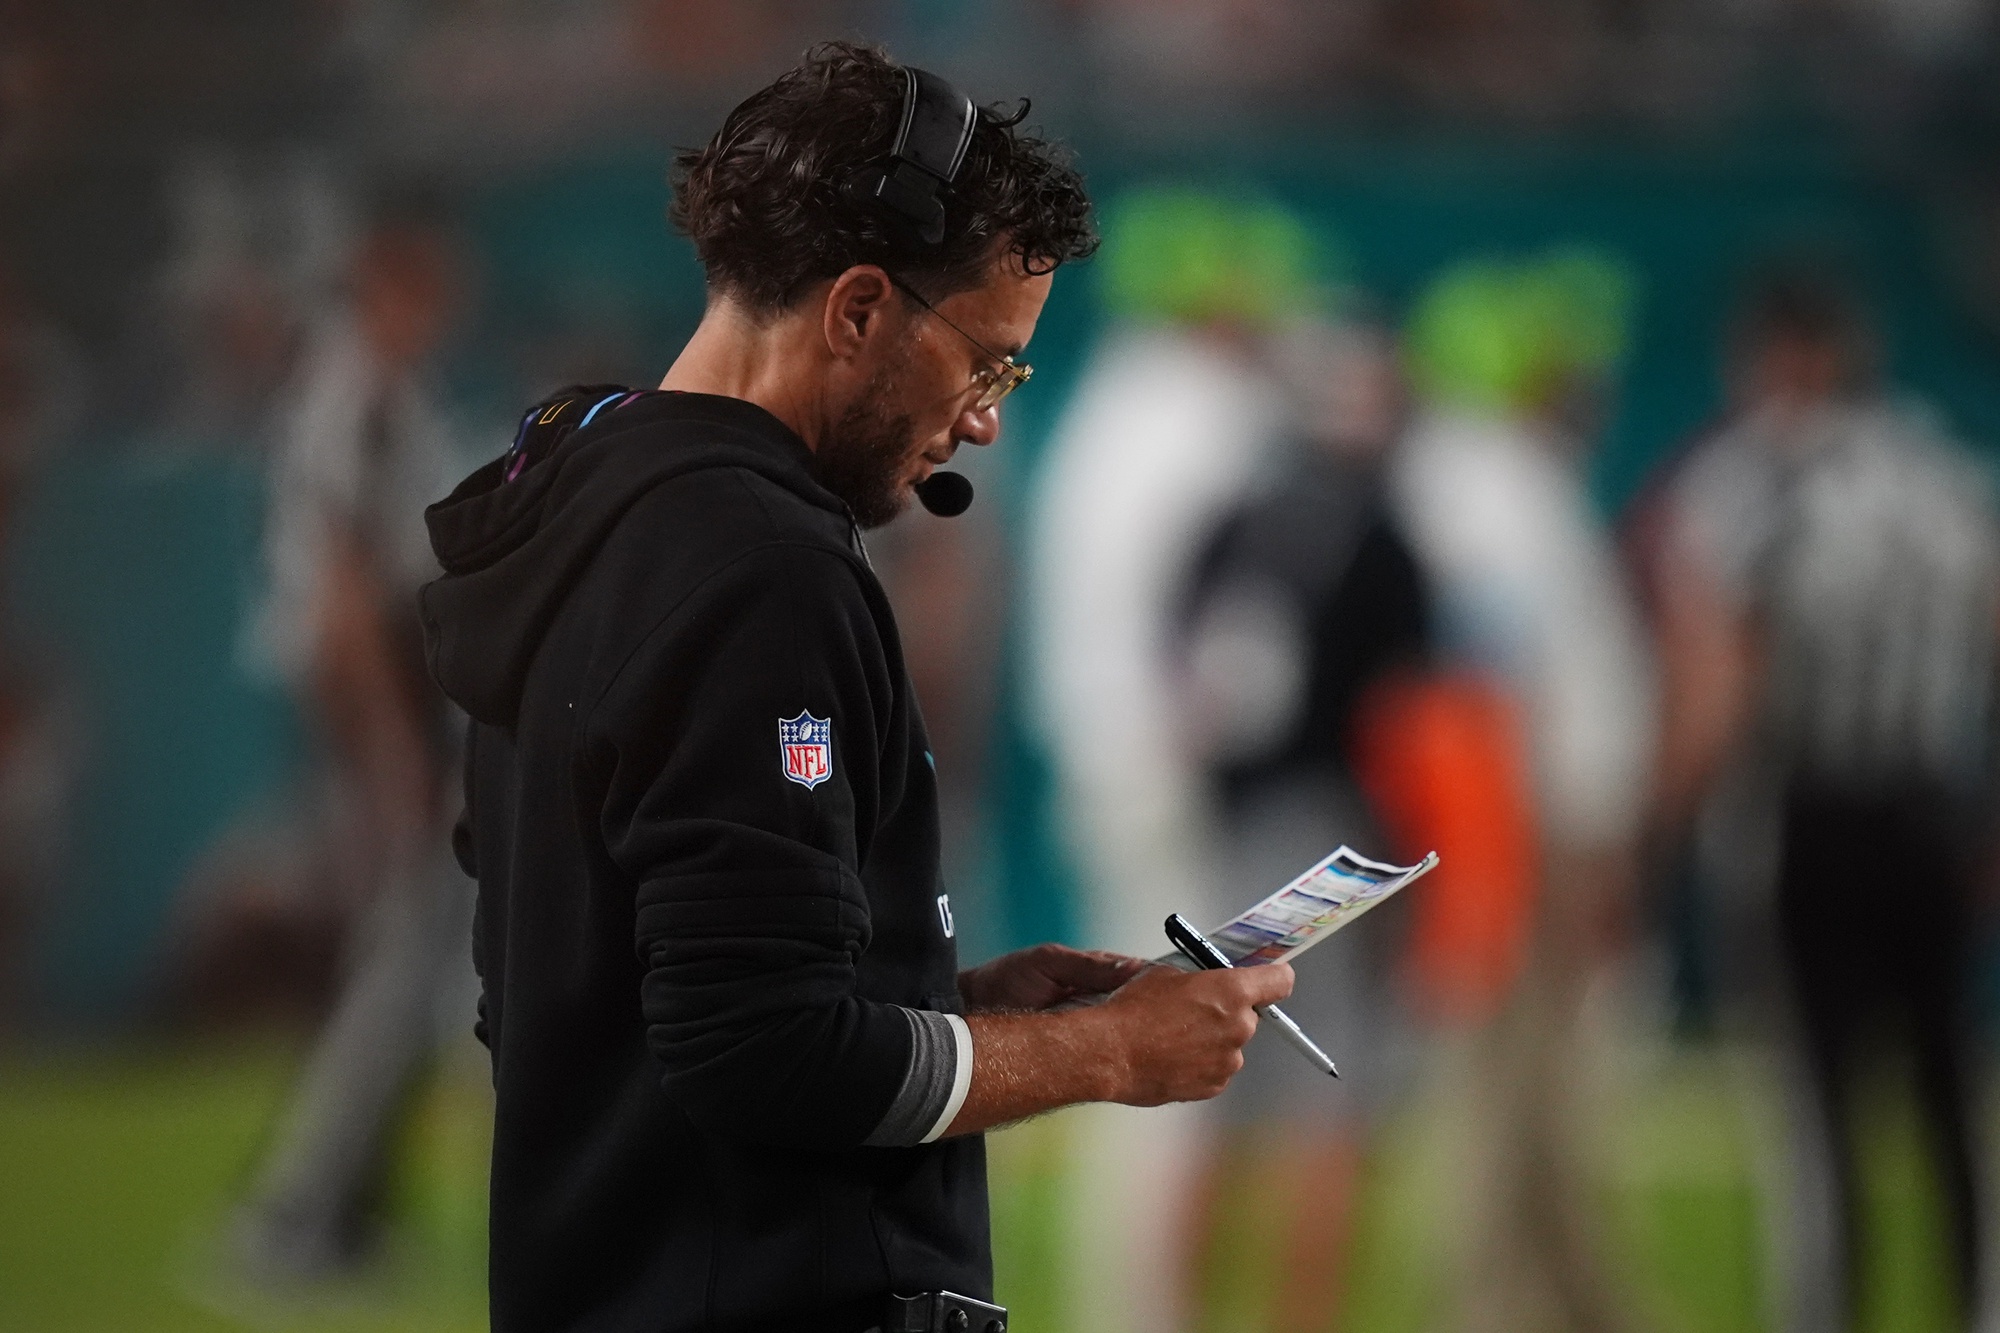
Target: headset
[[932, 135]]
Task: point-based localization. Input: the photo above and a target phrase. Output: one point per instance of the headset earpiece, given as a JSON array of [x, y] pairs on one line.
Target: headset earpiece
[[931, 138]]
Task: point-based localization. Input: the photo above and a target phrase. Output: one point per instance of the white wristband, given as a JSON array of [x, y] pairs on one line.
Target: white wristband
[[961, 1077]]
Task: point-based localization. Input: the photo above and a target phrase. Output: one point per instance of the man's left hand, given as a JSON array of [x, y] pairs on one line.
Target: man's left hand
[[1044, 976]]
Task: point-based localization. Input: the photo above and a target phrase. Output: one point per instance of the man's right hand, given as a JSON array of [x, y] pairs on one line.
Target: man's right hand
[[1179, 1036], [1164, 1036]]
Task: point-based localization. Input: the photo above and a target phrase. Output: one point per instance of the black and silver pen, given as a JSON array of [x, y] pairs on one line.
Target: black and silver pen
[[1199, 950]]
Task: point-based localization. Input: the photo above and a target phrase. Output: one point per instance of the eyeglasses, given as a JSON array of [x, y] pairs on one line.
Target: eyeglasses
[[994, 381]]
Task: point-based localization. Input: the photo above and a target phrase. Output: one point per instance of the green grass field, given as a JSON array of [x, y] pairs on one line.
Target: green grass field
[[117, 1168]]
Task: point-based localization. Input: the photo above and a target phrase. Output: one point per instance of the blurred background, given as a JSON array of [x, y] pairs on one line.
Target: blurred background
[[1560, 433]]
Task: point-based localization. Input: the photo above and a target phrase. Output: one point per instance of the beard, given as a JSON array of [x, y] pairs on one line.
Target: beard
[[865, 458]]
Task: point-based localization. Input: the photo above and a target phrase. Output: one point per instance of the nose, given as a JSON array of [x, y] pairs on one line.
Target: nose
[[977, 427]]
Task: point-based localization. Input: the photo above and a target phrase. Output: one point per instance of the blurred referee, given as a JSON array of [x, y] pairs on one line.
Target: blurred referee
[[740, 1080]]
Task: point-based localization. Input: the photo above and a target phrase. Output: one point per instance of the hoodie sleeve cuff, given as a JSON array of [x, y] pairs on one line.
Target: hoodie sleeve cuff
[[934, 1083], [961, 1076]]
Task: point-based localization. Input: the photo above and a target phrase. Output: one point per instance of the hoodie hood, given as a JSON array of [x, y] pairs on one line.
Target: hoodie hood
[[513, 549]]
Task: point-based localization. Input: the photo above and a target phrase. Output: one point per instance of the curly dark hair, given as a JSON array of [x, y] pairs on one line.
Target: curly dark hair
[[762, 200]]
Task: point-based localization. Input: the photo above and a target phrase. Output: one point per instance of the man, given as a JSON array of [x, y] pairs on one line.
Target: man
[[1300, 608], [1166, 426], [739, 1078], [1825, 577], [1509, 361], [364, 445]]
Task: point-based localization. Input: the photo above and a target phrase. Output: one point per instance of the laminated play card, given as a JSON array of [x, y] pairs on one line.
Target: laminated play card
[[1312, 907]]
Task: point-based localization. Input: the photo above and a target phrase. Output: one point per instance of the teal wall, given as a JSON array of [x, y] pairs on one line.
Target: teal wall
[[132, 571]]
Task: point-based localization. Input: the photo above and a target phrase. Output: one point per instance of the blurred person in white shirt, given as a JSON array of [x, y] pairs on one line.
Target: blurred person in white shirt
[[1507, 360], [1172, 416]]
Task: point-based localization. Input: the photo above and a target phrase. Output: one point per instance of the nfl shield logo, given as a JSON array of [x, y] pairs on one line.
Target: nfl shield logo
[[806, 742]]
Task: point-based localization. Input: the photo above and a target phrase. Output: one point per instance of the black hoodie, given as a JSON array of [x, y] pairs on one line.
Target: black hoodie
[[694, 927]]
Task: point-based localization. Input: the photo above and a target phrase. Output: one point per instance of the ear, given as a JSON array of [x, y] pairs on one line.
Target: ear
[[858, 305]]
